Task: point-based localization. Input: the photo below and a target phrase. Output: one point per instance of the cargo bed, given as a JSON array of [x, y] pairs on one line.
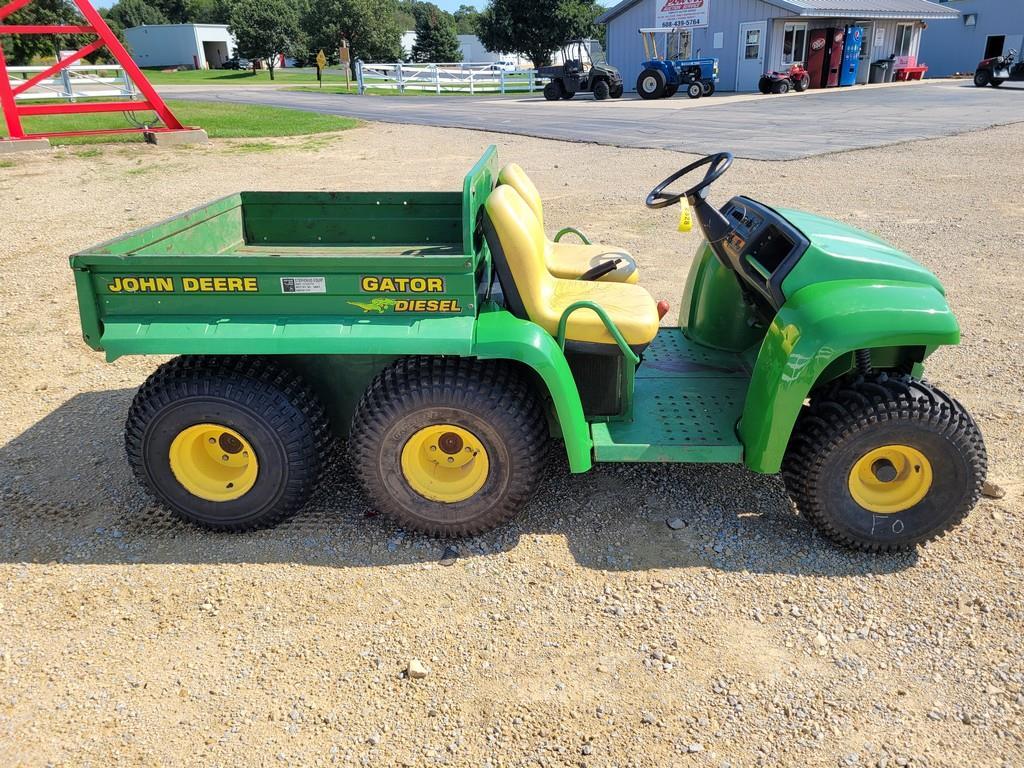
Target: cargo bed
[[281, 272]]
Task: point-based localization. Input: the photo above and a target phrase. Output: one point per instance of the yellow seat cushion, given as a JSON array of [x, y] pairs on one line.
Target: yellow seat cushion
[[545, 297], [569, 260]]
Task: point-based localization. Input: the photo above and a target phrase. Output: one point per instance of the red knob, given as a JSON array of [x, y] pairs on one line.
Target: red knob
[[662, 308]]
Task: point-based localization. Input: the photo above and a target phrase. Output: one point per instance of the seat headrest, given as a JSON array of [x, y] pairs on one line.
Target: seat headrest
[[514, 176]]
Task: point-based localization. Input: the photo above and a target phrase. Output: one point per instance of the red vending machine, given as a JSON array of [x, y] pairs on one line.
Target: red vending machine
[[815, 64], [833, 56]]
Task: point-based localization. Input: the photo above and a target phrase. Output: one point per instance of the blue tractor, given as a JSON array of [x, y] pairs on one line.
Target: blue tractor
[[664, 74]]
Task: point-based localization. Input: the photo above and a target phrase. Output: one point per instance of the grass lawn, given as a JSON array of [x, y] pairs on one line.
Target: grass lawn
[[231, 77], [220, 120]]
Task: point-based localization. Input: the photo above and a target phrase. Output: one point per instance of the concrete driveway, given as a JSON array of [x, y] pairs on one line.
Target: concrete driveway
[[752, 126]]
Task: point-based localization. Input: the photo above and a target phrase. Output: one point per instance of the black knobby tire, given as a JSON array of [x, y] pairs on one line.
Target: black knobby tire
[[671, 90], [487, 399], [617, 91], [553, 91], [764, 85], [802, 83], [982, 78], [996, 83], [695, 90], [849, 420], [782, 86], [268, 405], [602, 90], [651, 84]]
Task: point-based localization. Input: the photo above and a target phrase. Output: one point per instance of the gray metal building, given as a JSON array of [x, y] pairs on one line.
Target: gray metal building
[[985, 28], [199, 46], [752, 36]]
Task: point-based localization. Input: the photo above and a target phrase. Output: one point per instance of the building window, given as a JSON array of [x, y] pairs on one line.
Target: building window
[[794, 44], [752, 48], [970, 19], [904, 35]]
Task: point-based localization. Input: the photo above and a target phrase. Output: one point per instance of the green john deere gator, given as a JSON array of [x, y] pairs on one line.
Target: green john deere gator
[[447, 340]]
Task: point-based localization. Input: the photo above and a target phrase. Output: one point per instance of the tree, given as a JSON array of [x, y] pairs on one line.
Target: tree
[[207, 11], [435, 35], [22, 49], [264, 28], [466, 20], [174, 10], [368, 25], [135, 13], [535, 28]]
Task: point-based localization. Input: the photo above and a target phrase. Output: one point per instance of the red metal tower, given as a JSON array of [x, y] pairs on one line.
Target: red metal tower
[[95, 25]]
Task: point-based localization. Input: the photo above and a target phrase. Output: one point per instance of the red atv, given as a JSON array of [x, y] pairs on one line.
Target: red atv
[[998, 70], [796, 78]]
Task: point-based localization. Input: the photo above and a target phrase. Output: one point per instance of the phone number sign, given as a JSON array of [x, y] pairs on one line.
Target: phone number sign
[[682, 13]]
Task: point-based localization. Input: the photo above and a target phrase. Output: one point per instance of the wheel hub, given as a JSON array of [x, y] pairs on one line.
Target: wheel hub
[[890, 479], [445, 463], [213, 462]]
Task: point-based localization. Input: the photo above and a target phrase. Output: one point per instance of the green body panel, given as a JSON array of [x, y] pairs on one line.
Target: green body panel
[[712, 311], [339, 381], [819, 325], [502, 336], [688, 398], [840, 252]]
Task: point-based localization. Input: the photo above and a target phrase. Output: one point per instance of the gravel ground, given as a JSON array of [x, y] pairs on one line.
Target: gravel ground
[[588, 633]]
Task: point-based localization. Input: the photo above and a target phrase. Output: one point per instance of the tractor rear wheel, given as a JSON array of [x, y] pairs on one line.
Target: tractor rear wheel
[[651, 84], [553, 91], [228, 443], [602, 90], [448, 446], [884, 463]]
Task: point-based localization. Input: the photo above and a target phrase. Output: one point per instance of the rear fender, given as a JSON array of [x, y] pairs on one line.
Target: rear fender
[[502, 336], [816, 326]]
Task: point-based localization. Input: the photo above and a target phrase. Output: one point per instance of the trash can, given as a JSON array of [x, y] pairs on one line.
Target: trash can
[[879, 70], [890, 73]]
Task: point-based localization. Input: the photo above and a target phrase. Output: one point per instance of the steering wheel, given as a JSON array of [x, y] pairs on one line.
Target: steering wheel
[[717, 164]]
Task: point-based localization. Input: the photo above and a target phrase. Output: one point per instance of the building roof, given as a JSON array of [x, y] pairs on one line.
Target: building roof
[[861, 9]]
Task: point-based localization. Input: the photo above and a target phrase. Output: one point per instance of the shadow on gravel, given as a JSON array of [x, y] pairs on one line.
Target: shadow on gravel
[[67, 495]]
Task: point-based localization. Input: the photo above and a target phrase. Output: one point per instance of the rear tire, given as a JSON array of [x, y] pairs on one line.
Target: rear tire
[[602, 90], [935, 475], [996, 83], [553, 91], [227, 443], [449, 446], [651, 84], [982, 78]]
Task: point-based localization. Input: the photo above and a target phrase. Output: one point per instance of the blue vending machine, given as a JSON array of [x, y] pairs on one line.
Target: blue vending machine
[[851, 55]]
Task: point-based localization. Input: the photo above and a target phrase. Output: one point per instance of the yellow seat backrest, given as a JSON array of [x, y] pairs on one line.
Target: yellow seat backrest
[[522, 239], [513, 175]]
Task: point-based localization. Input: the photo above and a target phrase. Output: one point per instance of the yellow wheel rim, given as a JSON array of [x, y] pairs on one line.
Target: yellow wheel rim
[[445, 463], [214, 462], [890, 479]]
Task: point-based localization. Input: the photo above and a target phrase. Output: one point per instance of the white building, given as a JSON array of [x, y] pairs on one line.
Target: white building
[[473, 51], [200, 46]]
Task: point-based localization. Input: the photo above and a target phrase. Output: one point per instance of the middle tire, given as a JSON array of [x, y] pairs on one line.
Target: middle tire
[[448, 446]]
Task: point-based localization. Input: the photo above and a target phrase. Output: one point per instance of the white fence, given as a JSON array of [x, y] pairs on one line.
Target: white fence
[[488, 77], [79, 81]]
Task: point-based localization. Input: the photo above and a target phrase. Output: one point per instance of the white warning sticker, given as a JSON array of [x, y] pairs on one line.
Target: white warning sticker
[[303, 285]]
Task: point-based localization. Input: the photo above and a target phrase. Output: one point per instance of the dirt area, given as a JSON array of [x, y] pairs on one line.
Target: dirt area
[[587, 633]]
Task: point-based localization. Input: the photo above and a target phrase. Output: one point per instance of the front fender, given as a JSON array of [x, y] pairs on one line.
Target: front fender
[[502, 336], [814, 327]]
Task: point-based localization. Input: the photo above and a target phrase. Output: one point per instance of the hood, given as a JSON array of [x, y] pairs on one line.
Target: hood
[[838, 251]]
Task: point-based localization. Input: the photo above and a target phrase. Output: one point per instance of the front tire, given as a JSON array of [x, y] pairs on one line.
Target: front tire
[[802, 83], [996, 83], [617, 91], [695, 90], [449, 446], [982, 78], [602, 90], [885, 463], [651, 84], [227, 443]]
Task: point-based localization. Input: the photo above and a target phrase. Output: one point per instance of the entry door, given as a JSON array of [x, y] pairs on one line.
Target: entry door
[[750, 55]]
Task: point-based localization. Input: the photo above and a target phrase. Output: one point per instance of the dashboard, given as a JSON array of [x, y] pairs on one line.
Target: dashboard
[[762, 246]]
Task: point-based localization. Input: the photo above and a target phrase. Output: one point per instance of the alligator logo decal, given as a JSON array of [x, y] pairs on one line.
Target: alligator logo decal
[[377, 305]]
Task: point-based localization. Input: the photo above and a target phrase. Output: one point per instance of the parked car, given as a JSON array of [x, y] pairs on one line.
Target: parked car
[[237, 62]]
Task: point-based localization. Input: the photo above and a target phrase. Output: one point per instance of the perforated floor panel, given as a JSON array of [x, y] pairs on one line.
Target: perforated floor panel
[[687, 402]]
